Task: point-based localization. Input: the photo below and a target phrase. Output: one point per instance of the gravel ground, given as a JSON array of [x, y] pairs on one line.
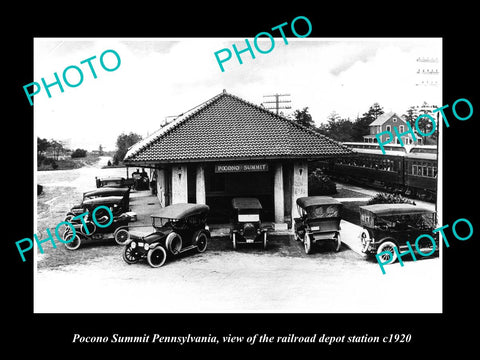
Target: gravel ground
[[281, 279]]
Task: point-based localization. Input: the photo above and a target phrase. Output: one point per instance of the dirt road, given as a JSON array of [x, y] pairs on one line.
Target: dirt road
[[281, 279]]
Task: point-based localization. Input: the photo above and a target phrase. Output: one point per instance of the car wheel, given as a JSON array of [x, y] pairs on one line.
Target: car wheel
[[265, 240], [338, 242], [156, 257], [201, 240], [387, 246], [307, 243], [129, 255], [88, 229], [174, 242], [121, 236], [73, 244], [234, 241], [298, 235]]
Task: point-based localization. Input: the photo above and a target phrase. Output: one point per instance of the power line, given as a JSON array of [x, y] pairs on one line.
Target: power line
[[277, 102]]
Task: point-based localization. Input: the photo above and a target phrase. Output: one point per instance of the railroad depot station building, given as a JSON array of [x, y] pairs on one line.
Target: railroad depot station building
[[227, 147]]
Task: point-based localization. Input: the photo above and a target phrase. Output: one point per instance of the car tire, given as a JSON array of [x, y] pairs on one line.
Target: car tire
[[73, 244], [338, 242], [387, 246], [156, 257], [200, 239], [90, 226], [234, 241], [307, 243], [128, 255], [265, 240], [69, 217], [173, 242], [121, 235]]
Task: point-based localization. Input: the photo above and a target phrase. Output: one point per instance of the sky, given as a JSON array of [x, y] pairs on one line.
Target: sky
[[163, 77]]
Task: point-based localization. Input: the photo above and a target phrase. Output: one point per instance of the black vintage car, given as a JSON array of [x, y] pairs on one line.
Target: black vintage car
[[386, 226], [319, 221], [123, 205], [140, 180], [98, 224], [113, 182], [178, 228], [246, 227]]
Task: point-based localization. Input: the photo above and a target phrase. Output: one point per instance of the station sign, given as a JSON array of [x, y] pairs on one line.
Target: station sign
[[235, 168]]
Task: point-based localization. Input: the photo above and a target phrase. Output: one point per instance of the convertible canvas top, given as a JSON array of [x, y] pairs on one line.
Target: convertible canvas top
[[104, 200], [246, 203], [106, 191], [181, 210], [111, 178], [395, 209], [307, 201]]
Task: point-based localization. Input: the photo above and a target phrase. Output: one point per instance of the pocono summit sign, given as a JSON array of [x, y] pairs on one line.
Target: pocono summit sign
[[240, 168]]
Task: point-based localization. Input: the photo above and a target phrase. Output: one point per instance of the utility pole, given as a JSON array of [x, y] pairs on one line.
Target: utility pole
[[277, 102]]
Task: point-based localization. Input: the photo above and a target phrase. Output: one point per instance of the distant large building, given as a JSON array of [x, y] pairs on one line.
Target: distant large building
[[227, 147], [386, 122]]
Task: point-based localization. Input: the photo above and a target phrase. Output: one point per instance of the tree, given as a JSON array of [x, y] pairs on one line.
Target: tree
[[411, 115], [57, 147], [424, 124], [304, 118], [100, 149], [361, 125], [337, 128], [42, 145], [79, 153], [124, 141]]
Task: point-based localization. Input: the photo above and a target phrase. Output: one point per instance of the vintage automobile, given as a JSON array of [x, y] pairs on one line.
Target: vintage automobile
[[124, 192], [178, 228], [117, 228], [246, 227], [113, 182], [386, 226], [319, 221], [140, 180]]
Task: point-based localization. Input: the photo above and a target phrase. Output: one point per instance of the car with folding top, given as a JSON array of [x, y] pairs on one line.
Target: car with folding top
[[386, 226], [319, 221], [114, 182], [246, 226], [112, 223], [124, 204], [178, 228]]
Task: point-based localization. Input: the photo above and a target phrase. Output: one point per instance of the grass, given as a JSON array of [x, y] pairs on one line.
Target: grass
[[68, 164]]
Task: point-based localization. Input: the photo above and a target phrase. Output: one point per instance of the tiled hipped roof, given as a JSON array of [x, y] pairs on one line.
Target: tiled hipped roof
[[228, 127]]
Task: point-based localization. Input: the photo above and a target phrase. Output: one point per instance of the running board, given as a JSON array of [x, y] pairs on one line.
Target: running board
[[190, 247]]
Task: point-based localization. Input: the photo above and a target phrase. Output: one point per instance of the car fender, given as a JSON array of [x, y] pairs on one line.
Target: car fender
[[387, 238]]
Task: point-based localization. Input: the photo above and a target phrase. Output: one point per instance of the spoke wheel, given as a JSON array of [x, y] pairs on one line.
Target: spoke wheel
[[338, 242], [130, 255], [307, 243], [201, 240], [121, 236], [72, 244], [156, 257], [387, 246]]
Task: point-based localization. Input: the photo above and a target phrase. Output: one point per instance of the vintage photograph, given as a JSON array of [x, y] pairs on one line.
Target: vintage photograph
[[288, 181]]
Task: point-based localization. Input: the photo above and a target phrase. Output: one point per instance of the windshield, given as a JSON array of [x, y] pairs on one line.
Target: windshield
[[410, 221], [324, 211]]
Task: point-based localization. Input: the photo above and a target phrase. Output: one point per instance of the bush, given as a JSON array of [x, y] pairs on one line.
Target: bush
[[48, 161], [386, 198], [79, 153], [320, 184]]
